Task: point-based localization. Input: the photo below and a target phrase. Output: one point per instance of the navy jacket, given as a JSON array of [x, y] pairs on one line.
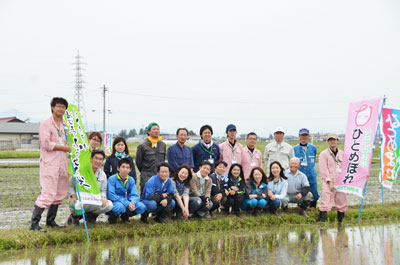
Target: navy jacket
[[240, 184], [219, 186], [110, 167], [178, 156], [200, 155]]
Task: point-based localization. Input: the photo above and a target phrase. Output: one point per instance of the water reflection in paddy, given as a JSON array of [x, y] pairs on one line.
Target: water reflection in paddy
[[280, 245]]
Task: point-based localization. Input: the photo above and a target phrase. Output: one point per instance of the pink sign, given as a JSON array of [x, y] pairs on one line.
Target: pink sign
[[108, 143], [362, 124]]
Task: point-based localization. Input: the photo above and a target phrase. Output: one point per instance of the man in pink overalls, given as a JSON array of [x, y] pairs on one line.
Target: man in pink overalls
[[53, 165], [330, 163]]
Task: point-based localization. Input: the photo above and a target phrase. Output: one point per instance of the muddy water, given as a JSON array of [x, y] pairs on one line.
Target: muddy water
[[294, 245]]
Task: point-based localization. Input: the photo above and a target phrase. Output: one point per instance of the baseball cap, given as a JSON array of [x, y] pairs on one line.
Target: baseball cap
[[279, 129], [333, 135], [230, 127], [304, 131]]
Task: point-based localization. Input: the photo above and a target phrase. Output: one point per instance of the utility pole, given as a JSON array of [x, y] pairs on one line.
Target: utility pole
[[105, 89]]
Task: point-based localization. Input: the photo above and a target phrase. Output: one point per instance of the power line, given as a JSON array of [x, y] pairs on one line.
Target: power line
[[230, 101]]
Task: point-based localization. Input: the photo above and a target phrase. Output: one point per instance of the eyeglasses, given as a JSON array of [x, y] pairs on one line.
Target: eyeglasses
[[95, 139]]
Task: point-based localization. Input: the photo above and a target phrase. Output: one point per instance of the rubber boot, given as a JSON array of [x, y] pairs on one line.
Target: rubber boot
[[159, 216], [74, 220], [256, 211], [125, 216], [36, 216], [236, 209], [143, 217], [274, 212], [226, 210], [112, 219], [322, 216], [51, 216], [302, 211], [167, 214], [93, 218], [250, 210], [340, 216]]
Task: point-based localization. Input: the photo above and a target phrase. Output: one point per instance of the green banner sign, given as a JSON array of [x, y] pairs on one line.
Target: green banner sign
[[77, 140]]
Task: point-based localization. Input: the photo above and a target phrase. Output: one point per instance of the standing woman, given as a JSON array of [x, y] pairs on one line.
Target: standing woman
[[277, 186], [95, 140], [119, 151], [256, 197], [180, 182], [236, 189]]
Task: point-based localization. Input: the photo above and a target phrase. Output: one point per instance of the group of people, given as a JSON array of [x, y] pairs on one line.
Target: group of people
[[195, 182]]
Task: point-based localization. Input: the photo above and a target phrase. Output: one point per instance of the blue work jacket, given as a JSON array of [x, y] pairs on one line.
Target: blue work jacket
[[311, 156], [156, 186], [126, 193]]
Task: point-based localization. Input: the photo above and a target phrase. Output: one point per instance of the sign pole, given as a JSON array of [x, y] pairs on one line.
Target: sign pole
[[373, 149], [77, 190]]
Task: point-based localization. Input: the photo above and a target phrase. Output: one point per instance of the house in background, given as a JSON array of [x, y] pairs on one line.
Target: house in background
[[10, 119], [17, 134]]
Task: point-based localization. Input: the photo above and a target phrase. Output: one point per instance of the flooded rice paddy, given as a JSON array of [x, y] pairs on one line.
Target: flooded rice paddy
[[278, 245]]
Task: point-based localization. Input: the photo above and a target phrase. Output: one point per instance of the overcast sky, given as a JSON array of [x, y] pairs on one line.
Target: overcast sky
[[257, 64]]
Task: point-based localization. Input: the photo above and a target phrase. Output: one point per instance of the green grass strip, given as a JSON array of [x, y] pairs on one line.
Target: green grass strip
[[22, 238], [19, 154]]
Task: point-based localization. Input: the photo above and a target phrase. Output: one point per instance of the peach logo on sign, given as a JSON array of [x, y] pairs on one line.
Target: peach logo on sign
[[363, 115]]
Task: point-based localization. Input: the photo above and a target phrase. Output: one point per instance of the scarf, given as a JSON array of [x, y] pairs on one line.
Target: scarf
[[208, 146], [179, 185], [121, 155], [154, 142]]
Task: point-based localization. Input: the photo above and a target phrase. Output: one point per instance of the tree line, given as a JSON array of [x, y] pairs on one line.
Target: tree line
[[133, 133]]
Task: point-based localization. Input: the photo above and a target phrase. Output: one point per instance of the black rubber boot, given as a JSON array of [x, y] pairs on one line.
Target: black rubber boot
[[303, 212], [236, 209], [340, 216], [274, 212], [125, 216], [112, 219], [226, 210], [143, 217], [91, 218], [167, 214], [159, 216], [250, 210], [51, 216], [36, 216], [322, 216], [256, 210], [179, 215], [74, 220]]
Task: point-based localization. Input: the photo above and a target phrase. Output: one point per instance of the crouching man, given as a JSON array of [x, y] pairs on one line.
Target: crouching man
[[122, 191], [158, 194], [298, 190], [91, 211]]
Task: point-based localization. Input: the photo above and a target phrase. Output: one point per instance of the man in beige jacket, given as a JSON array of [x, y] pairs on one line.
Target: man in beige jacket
[[278, 150]]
